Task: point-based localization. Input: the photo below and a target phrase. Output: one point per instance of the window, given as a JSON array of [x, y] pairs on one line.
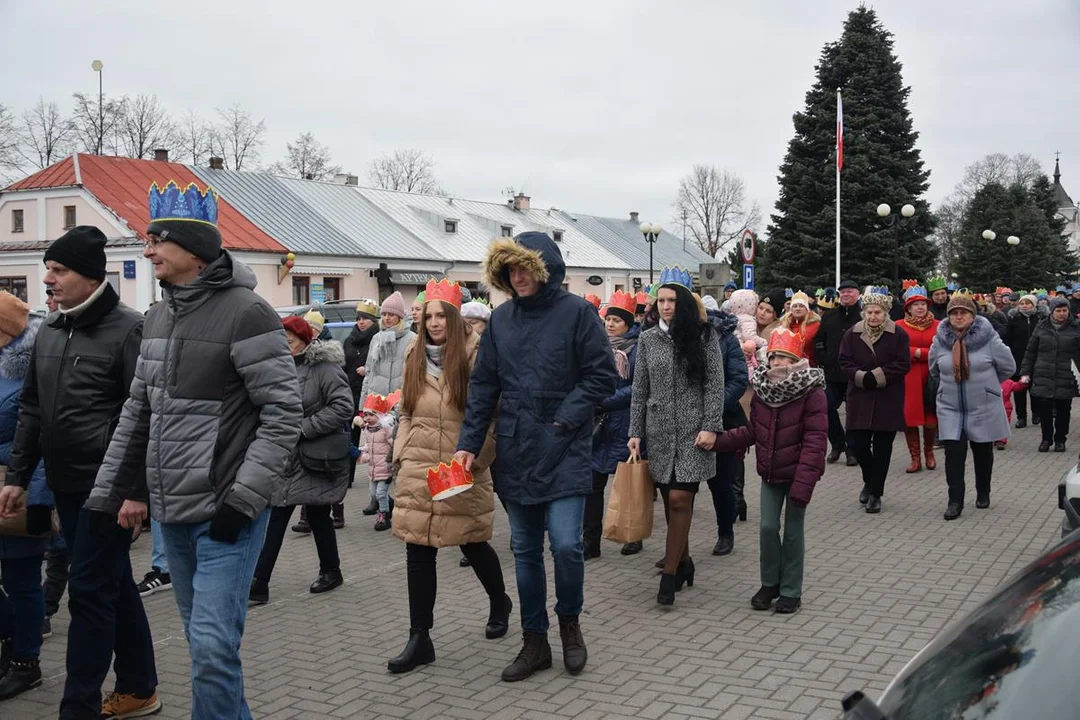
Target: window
[[14, 285], [16, 221], [301, 291], [450, 226], [557, 236], [508, 231], [620, 288], [113, 278], [332, 289], [69, 217]]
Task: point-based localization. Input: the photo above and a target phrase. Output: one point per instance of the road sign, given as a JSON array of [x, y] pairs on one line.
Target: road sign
[[129, 269], [748, 246], [318, 294], [748, 277]]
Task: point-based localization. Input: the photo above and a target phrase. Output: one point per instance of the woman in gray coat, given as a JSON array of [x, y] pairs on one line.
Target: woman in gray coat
[[969, 361], [677, 406], [327, 400]]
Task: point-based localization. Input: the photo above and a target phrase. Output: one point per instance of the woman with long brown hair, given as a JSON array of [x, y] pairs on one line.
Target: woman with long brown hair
[[434, 391]]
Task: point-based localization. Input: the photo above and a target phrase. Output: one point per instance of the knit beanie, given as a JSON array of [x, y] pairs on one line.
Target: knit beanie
[[13, 317], [394, 304], [1030, 298], [1056, 302], [81, 249], [478, 311], [315, 319], [299, 327]]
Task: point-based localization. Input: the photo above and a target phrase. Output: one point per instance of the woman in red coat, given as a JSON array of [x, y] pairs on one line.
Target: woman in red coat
[[921, 326], [804, 322]]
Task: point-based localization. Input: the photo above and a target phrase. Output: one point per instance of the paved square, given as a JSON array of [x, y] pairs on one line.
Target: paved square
[[877, 589]]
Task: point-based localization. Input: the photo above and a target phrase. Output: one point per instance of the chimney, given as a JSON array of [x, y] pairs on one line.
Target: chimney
[[161, 154], [521, 201], [633, 216], [217, 163], [346, 179]]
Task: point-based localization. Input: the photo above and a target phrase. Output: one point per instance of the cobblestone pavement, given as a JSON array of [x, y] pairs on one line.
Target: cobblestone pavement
[[877, 589]]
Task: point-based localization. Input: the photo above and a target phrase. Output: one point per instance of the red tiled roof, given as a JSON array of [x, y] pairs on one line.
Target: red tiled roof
[[122, 185]]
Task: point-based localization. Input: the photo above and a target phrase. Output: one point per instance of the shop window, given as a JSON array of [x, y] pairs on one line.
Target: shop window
[[301, 291], [14, 285], [332, 288]]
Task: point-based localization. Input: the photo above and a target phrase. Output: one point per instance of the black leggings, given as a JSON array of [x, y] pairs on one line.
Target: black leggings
[[873, 449], [593, 525], [420, 569], [956, 459], [322, 529]]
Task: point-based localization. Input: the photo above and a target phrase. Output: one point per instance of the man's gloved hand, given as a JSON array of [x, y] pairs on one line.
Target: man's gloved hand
[[38, 519], [227, 524], [101, 524]]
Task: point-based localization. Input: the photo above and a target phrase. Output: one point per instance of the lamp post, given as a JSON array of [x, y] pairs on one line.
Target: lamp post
[[96, 66], [891, 220], [651, 232]]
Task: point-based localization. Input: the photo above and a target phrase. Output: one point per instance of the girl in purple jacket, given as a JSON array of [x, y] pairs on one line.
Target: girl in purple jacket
[[789, 422]]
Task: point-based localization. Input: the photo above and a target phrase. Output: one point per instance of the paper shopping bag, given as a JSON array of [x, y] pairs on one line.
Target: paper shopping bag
[[629, 515]]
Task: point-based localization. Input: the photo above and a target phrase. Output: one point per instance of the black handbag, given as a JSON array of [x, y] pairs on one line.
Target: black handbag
[[930, 396], [325, 454]]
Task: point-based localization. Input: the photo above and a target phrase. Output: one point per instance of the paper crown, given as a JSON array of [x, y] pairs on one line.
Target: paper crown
[[641, 298], [623, 301], [381, 405], [421, 297], [189, 204], [788, 292], [1040, 293], [877, 295], [951, 287], [913, 293], [1002, 290], [445, 481], [654, 290], [908, 284], [675, 275], [785, 342], [593, 300], [800, 297], [820, 292], [443, 291], [935, 283]]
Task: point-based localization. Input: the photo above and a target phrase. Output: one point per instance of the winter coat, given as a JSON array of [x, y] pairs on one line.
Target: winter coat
[[378, 442], [214, 413], [736, 377], [74, 391], [427, 436], [356, 353], [998, 321], [1018, 332], [15, 360], [386, 361], [669, 412], [1049, 358], [327, 401], [833, 326], [940, 312], [791, 441], [550, 362], [882, 407], [613, 419], [915, 413], [808, 330], [973, 407]]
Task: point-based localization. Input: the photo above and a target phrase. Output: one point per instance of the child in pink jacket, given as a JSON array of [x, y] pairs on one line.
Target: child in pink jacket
[[377, 439]]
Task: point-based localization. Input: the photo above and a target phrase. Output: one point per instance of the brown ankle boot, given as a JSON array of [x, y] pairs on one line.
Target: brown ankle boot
[[929, 436], [912, 436]]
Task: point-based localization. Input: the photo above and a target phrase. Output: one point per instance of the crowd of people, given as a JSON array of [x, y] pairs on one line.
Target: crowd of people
[[213, 419]]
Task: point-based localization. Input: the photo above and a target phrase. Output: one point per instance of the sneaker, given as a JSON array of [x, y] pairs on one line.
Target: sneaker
[[382, 521], [763, 598], [154, 581], [46, 628], [788, 605], [118, 706]]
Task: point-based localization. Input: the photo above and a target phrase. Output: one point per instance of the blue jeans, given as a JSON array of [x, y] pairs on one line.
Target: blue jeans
[[562, 519], [22, 605], [158, 558], [211, 581]]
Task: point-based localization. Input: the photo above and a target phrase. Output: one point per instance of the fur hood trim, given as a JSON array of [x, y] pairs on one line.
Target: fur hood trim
[[505, 252], [324, 351], [15, 356], [978, 335]]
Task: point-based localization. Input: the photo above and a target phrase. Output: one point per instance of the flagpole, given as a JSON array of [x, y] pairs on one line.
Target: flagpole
[[839, 150]]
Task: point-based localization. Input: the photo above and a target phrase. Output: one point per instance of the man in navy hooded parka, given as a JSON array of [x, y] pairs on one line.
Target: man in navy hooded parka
[[545, 364]]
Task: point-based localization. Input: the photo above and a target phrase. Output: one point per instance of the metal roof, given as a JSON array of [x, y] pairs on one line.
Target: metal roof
[[624, 239]]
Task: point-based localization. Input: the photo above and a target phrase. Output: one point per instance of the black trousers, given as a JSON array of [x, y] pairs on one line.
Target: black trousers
[[56, 577], [322, 529], [836, 394], [423, 580], [1020, 398], [956, 458], [593, 524], [873, 450], [723, 494], [1054, 418]]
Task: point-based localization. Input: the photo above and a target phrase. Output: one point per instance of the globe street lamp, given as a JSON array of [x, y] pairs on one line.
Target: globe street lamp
[[1012, 241], [891, 220], [651, 232], [96, 66]]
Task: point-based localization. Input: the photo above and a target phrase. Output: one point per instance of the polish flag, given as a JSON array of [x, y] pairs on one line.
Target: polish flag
[[839, 133]]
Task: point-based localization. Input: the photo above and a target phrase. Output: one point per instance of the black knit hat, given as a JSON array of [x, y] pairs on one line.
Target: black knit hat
[[622, 315], [776, 299], [81, 249], [201, 239]]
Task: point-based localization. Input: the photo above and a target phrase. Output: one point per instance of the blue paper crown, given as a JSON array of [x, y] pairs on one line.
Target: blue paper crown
[[676, 276], [189, 204], [952, 287], [788, 292], [916, 291], [878, 290]]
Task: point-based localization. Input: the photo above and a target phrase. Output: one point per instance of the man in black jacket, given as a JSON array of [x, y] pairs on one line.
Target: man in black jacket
[[834, 324], [82, 367]]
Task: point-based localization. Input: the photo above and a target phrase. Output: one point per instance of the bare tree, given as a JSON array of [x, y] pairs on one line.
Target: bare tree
[[408, 170], [950, 216], [46, 134], [307, 159], [1000, 168], [145, 126], [238, 139], [194, 139], [96, 128], [10, 159], [712, 205]]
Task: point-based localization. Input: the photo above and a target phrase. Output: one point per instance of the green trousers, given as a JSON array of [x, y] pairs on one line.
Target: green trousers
[[781, 562]]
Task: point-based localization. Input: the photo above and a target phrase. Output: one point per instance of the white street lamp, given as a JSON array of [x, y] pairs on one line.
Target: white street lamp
[[883, 210], [1013, 240], [97, 66], [989, 235], [651, 232], [892, 221], [908, 210]]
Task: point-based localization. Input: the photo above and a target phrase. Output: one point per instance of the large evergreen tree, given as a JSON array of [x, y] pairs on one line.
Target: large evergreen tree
[[881, 165]]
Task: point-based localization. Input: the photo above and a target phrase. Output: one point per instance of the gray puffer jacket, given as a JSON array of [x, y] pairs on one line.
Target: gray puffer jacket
[[214, 412], [327, 400], [386, 361]]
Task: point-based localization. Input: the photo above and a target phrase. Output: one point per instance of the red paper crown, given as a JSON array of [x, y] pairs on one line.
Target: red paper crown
[[785, 342], [642, 298], [445, 481], [382, 405], [594, 299], [1002, 291], [443, 291], [623, 301], [908, 284]]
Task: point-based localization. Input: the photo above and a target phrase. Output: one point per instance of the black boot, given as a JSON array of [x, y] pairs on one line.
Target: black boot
[[724, 545], [953, 511], [418, 651], [763, 598], [535, 655], [666, 594], [302, 524], [372, 507], [259, 594], [327, 581], [499, 618], [873, 505], [338, 510], [5, 654], [21, 676], [864, 496], [574, 652], [684, 574], [631, 548]]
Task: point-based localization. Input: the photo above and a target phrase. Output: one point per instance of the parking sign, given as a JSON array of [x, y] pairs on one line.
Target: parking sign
[[748, 277]]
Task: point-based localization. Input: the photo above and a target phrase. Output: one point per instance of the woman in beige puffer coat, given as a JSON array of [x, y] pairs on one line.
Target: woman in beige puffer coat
[[434, 389]]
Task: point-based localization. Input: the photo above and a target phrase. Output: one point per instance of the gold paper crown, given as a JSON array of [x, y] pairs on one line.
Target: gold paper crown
[[443, 291]]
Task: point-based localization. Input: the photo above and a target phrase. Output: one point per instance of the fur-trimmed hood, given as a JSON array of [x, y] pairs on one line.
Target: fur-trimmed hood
[[534, 251], [724, 322], [324, 351], [977, 336], [15, 356]]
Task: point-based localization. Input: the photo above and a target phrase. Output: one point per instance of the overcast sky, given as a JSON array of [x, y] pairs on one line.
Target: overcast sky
[[595, 106]]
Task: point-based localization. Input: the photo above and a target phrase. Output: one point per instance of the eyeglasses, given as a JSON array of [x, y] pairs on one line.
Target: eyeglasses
[[154, 241]]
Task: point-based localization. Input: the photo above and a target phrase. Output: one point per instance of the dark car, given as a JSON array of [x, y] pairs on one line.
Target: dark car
[[1013, 657], [333, 311]]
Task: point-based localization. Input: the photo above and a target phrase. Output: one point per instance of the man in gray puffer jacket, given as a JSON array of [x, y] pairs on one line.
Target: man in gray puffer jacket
[[213, 417]]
